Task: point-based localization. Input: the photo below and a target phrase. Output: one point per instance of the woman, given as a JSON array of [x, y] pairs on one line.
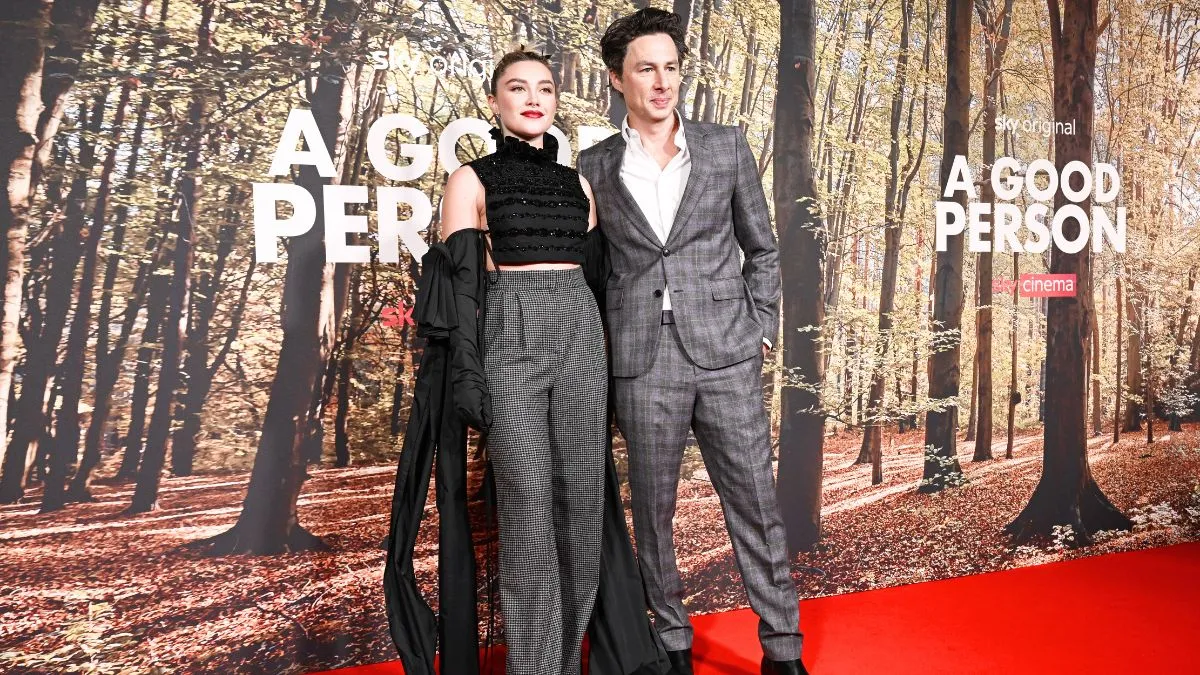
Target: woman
[[538, 385]]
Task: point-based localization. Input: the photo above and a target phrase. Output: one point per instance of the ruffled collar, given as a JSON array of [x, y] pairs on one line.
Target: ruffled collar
[[521, 148]]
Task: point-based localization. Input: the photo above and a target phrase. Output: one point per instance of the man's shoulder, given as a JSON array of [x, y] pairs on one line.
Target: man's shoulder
[[590, 158], [712, 131], [713, 127], [599, 148]]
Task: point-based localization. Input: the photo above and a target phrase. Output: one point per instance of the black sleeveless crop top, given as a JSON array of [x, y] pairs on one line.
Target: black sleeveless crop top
[[536, 209]]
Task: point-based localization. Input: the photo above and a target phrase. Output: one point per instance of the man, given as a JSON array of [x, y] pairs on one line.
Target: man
[[689, 325]]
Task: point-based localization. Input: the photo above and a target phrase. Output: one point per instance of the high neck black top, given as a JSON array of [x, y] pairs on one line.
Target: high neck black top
[[537, 210]]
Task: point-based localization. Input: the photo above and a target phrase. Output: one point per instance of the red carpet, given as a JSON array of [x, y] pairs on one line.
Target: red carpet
[[1133, 612]]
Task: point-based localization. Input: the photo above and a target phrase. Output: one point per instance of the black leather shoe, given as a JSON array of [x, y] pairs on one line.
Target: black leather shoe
[[681, 661], [795, 667]]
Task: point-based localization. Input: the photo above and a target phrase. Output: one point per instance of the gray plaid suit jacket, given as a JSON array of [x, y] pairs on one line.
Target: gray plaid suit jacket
[[723, 307]]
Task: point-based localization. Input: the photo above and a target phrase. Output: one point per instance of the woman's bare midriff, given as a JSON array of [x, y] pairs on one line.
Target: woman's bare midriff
[[535, 266]]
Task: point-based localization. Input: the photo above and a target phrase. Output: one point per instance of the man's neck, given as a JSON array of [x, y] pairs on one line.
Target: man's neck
[[657, 133]]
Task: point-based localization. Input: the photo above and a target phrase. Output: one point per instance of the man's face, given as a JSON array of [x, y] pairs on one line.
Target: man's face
[[649, 78]]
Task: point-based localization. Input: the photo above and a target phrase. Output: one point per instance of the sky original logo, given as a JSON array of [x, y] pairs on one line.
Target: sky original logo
[[450, 63]]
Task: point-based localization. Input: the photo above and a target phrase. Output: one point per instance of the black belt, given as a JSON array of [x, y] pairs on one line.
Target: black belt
[[668, 317]]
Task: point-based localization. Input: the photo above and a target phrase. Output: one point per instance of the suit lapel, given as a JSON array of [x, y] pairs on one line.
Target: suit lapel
[[697, 178], [629, 205]]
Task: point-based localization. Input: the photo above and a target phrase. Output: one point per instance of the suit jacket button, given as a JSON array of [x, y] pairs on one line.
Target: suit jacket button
[[666, 252], [657, 293]]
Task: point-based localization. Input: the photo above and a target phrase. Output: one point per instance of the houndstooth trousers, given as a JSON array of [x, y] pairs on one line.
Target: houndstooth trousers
[[547, 371]]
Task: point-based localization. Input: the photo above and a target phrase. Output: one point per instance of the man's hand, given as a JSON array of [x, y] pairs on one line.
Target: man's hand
[[766, 351]]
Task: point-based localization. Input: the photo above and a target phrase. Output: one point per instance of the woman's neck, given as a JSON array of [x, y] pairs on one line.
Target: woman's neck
[[536, 141]]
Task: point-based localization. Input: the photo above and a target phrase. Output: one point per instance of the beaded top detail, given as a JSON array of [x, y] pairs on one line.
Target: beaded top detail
[[536, 209]]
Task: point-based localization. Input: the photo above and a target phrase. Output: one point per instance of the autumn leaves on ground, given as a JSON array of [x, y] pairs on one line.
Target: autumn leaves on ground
[[128, 594]]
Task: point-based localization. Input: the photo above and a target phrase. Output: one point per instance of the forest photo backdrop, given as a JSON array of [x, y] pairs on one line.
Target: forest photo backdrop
[[198, 448]]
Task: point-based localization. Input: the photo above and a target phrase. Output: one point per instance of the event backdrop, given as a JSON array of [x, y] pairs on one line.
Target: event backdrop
[[213, 212]]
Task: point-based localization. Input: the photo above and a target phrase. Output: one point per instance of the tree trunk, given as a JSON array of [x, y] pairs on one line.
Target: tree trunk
[[970, 437], [1096, 423], [704, 86], [108, 361], [872, 445], [1133, 363], [269, 522], [824, 142], [139, 402], [157, 288], [1173, 383], [1067, 495], [802, 251], [1117, 353], [199, 375], [851, 358], [996, 31], [1194, 357], [718, 69], [21, 56], [684, 9], [346, 372], [750, 74], [1148, 380], [941, 452], [570, 69], [847, 179], [145, 495], [65, 450], [41, 353], [1014, 396], [70, 36]]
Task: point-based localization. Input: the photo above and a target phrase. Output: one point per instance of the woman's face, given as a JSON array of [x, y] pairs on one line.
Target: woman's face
[[525, 100]]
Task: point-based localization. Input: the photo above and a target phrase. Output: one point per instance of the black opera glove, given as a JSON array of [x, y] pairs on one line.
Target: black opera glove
[[596, 267], [472, 400]]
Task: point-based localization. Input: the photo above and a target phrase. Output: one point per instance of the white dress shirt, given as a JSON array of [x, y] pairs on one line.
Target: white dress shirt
[[656, 190]]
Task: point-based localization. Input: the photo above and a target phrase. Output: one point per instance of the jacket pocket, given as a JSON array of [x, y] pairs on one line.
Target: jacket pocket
[[728, 289], [614, 298]]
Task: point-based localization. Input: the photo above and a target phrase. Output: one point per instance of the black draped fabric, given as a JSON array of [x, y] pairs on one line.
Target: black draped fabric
[[435, 430], [622, 641]]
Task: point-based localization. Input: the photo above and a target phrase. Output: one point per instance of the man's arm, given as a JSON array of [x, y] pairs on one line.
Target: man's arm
[[584, 164], [752, 227]]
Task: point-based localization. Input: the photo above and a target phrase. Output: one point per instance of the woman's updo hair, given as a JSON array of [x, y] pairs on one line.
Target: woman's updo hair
[[517, 56]]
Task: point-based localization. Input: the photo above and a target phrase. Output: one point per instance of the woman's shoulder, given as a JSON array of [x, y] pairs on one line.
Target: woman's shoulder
[[464, 177], [488, 169]]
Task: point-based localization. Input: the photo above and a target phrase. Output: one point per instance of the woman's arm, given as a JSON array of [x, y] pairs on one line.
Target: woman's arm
[[595, 253], [462, 202], [461, 208], [587, 190]]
